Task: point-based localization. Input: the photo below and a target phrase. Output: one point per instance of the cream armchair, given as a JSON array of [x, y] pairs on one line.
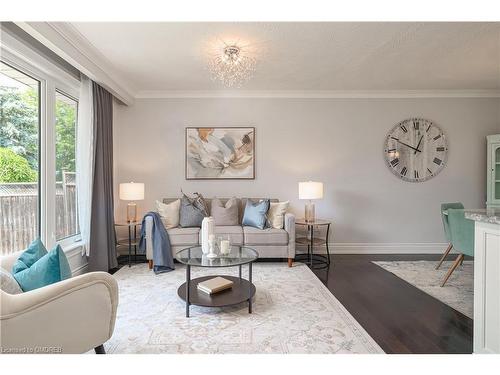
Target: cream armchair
[[71, 316]]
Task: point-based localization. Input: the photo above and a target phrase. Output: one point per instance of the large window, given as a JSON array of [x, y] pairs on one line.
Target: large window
[[19, 158], [66, 207], [38, 124]]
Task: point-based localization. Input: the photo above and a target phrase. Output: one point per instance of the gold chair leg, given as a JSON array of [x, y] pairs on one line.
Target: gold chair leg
[[455, 265], [450, 246]]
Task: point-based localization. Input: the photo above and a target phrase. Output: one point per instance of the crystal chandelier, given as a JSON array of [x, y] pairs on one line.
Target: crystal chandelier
[[232, 66]]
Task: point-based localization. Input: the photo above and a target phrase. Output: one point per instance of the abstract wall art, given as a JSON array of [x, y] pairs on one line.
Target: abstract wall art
[[222, 153]]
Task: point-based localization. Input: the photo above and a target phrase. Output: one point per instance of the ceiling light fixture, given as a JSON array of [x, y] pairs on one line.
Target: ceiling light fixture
[[232, 66]]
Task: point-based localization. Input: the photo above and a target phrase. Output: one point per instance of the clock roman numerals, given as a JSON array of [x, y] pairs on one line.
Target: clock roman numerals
[[416, 149]]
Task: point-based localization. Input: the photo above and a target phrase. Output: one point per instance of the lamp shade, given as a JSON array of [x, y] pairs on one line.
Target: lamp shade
[[310, 190], [132, 191]]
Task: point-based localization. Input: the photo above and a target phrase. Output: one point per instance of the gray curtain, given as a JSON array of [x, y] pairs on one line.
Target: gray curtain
[[102, 245]]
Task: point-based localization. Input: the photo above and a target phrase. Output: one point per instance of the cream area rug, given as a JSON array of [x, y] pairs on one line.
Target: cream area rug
[[293, 312], [458, 291]]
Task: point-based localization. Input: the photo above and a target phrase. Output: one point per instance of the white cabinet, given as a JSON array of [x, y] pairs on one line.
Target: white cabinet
[[487, 288], [493, 172]]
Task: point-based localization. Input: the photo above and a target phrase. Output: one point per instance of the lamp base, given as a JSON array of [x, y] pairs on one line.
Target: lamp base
[[131, 212], [309, 212]]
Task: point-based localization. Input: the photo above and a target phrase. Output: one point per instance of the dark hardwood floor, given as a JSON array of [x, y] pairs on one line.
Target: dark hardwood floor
[[400, 317]]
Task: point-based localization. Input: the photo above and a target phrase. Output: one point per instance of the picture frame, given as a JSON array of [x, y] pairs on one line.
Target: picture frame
[[219, 153]]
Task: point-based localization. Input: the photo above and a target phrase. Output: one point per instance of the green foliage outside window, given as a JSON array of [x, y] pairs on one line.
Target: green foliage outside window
[[15, 168], [19, 123], [65, 138], [19, 133]]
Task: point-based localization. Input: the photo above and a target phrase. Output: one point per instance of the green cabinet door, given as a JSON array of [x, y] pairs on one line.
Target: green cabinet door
[[493, 172]]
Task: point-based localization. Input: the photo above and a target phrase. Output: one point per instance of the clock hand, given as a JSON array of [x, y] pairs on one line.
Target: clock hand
[[418, 145], [407, 145]]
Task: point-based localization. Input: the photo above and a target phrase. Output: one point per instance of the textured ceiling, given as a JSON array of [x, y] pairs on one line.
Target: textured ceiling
[[306, 56]]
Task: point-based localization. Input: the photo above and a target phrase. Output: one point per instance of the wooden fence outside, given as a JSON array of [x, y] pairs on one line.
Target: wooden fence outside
[[19, 213]]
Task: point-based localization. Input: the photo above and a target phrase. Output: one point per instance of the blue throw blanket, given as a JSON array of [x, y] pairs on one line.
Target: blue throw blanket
[[162, 252]]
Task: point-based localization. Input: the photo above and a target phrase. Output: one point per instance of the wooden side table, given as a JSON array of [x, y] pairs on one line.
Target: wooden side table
[[316, 261], [132, 241]]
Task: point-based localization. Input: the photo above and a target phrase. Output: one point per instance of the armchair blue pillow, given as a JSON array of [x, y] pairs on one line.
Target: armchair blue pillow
[[255, 214], [35, 251], [47, 269]]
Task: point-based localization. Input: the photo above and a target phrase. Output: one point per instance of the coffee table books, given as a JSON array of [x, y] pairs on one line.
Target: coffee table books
[[217, 284]]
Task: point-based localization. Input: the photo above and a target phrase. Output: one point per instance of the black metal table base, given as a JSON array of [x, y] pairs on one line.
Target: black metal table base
[[316, 261], [130, 246], [242, 291]]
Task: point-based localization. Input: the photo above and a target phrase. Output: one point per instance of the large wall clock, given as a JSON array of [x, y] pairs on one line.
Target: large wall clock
[[416, 150]]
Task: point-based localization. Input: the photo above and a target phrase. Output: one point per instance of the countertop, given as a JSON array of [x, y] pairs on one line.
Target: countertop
[[491, 215]]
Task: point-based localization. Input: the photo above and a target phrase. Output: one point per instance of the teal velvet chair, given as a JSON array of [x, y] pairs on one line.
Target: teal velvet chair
[[462, 237], [444, 208]]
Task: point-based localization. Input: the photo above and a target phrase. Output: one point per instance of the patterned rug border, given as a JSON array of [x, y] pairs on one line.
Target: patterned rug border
[[357, 329]]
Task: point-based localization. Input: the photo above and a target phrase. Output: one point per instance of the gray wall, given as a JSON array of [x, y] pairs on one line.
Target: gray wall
[[336, 141]]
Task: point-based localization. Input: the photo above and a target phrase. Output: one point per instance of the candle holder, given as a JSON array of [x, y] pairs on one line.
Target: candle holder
[[211, 248], [224, 245]]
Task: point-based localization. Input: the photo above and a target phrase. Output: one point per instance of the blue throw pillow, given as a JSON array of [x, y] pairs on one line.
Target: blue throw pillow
[[35, 251], [51, 268], [256, 214]]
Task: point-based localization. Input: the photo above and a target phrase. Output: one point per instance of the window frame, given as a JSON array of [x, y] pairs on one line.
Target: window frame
[[52, 79], [77, 236]]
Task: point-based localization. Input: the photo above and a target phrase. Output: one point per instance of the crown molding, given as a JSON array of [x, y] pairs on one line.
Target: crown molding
[[316, 94], [65, 40]]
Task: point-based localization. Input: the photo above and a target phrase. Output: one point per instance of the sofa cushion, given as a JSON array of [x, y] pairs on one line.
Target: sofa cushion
[[268, 236], [184, 236], [35, 251], [225, 214], [192, 211], [276, 214], [49, 269], [235, 233], [255, 213], [8, 284], [169, 213]]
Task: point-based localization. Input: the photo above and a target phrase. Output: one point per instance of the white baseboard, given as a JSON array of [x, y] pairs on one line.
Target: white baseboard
[[381, 248]]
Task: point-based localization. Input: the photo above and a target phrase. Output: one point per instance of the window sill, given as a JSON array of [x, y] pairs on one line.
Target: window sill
[[72, 246]]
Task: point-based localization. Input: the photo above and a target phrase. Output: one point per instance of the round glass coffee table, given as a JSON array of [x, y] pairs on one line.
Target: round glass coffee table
[[241, 291]]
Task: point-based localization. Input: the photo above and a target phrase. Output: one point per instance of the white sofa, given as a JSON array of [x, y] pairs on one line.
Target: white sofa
[[71, 316], [269, 242]]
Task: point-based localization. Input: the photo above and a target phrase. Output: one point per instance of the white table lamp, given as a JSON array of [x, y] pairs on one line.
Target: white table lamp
[[131, 191], [310, 190]]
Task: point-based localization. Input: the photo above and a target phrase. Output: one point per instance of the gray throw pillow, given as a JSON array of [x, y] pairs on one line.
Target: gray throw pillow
[[225, 215], [192, 211], [8, 284]]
